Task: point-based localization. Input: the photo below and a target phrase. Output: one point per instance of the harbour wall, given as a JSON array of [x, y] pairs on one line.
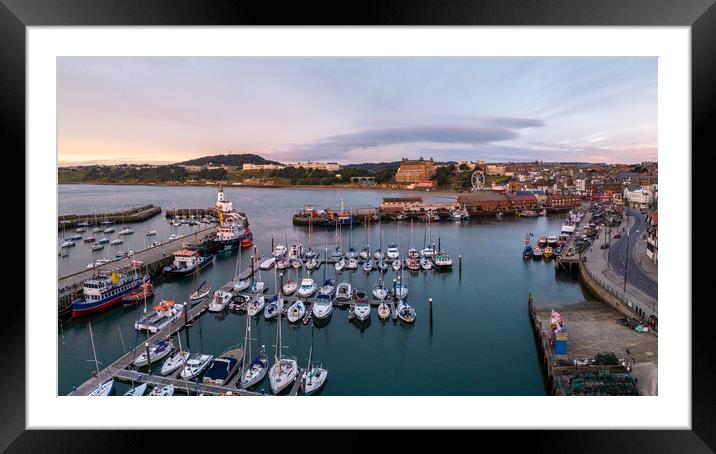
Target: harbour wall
[[138, 214]]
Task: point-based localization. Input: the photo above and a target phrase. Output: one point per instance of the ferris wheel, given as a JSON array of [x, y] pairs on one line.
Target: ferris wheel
[[478, 180]]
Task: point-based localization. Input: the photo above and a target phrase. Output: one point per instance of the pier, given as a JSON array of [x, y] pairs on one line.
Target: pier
[[153, 259], [133, 215]]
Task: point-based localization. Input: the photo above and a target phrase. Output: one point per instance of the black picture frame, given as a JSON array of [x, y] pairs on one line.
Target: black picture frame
[[699, 15]]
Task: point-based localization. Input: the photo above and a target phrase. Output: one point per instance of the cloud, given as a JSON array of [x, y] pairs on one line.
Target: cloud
[[337, 147]]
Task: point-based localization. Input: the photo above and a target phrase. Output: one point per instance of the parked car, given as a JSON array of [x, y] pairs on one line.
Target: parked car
[[617, 235]]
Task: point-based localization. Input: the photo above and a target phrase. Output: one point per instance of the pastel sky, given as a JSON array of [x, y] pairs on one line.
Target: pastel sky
[[160, 110]]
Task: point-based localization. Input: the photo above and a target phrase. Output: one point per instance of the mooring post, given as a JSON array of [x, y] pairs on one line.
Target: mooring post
[[272, 246], [459, 264], [430, 308]]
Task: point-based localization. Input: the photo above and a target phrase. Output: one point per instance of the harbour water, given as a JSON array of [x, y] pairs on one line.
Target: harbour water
[[479, 343]]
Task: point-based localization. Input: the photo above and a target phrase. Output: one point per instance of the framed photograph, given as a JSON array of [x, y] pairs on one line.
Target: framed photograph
[[359, 223]]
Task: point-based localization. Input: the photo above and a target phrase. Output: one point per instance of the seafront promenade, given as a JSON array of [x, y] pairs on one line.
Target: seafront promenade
[[640, 297]]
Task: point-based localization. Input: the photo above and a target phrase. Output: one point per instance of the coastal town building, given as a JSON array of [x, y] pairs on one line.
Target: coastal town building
[[399, 204], [652, 237], [495, 169], [328, 166], [248, 166], [563, 200], [415, 170], [638, 198], [489, 201]]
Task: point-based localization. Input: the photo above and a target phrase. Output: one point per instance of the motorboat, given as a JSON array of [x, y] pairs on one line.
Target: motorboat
[[223, 368], [256, 305], [187, 261], [279, 251], [167, 390], [103, 240], [68, 243], [427, 252], [296, 263], [547, 252], [361, 311], [273, 307], [125, 231], [344, 292], [426, 264], [352, 264], [88, 239], [174, 362], [537, 253], [328, 288], [157, 351], [322, 307], [145, 291], [97, 247], [392, 253], [239, 302], [413, 264], [307, 288], [296, 311], [164, 313], [340, 265], [405, 312], [220, 301], [195, 365], [290, 287], [137, 391], [151, 232], [282, 264]]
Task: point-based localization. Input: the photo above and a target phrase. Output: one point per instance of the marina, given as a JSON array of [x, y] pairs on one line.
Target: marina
[[434, 309]]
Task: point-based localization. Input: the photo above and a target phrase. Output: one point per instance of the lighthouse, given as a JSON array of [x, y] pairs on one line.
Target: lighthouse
[[221, 202]]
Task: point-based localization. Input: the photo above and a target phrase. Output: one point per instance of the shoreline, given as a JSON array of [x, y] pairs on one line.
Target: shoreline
[[442, 193]]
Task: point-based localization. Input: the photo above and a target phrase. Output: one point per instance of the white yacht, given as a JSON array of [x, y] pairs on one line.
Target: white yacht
[[195, 365], [344, 292], [290, 287], [307, 288], [157, 351], [296, 311], [220, 301], [174, 362], [322, 307]]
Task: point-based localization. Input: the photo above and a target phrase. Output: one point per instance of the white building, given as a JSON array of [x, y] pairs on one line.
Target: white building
[[580, 184], [639, 198], [329, 166], [262, 167]]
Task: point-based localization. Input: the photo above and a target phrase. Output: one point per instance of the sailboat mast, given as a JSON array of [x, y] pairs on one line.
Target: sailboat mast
[[94, 352]]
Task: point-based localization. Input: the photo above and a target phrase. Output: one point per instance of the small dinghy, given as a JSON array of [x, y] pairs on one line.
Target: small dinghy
[[322, 307], [344, 292], [174, 362], [290, 287], [296, 311], [256, 305], [384, 311], [136, 391], [157, 351], [405, 312], [195, 365], [167, 390], [272, 309]]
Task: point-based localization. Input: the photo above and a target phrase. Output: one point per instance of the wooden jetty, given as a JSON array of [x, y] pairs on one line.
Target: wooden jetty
[[137, 214], [120, 369]]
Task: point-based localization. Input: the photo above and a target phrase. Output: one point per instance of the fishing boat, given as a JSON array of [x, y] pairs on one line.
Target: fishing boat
[[405, 312], [547, 252], [125, 231], [97, 247], [290, 287], [201, 293], [273, 307], [166, 390], [186, 262], [164, 313], [442, 260], [145, 291], [223, 368], [104, 388], [527, 252], [328, 288], [136, 391], [195, 365], [284, 370], [413, 264], [247, 242], [151, 233], [233, 226], [537, 253], [268, 263], [352, 264], [256, 305], [174, 362], [344, 292], [340, 265], [552, 240], [542, 242], [296, 311], [307, 288], [220, 301], [102, 292], [322, 307], [157, 351]]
